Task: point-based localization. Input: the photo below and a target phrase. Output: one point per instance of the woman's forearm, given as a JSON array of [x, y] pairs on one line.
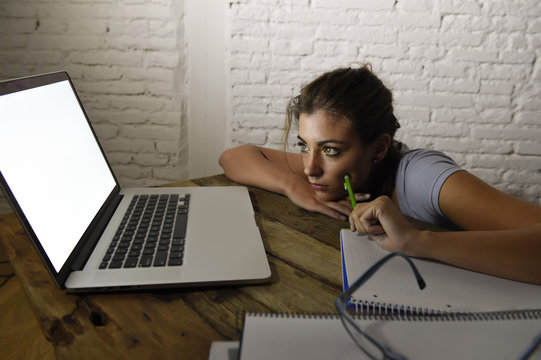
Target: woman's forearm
[[247, 164], [514, 254]]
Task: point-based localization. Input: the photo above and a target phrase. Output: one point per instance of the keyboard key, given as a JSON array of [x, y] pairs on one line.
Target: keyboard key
[[119, 257], [146, 261], [174, 262], [148, 251], [176, 255], [115, 265], [163, 248], [134, 254], [180, 225], [160, 258], [131, 263], [178, 242]]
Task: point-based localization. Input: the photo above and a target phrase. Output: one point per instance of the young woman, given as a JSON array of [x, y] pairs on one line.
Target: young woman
[[346, 125]]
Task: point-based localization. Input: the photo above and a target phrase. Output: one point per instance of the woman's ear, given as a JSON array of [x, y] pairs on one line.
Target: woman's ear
[[380, 147]]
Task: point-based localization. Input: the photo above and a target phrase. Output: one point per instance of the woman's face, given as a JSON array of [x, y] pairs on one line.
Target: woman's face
[[330, 149]]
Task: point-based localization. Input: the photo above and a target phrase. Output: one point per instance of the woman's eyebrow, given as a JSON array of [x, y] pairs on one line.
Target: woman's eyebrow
[[323, 142]]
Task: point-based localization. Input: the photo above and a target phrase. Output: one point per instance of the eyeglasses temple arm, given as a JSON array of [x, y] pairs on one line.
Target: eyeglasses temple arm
[[374, 268]]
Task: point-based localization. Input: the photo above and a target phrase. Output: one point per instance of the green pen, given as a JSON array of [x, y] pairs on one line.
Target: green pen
[[347, 186]]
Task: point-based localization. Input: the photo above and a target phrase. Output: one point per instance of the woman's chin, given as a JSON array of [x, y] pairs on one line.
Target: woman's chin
[[328, 196]]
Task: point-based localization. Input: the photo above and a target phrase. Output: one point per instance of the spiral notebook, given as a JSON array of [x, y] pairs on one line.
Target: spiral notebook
[[287, 336], [393, 288]]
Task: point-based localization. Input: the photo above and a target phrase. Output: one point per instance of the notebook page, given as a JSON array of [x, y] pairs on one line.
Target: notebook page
[[479, 339], [270, 336], [448, 288]]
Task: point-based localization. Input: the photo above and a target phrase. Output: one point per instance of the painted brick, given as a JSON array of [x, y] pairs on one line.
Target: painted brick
[[440, 100], [493, 101], [259, 120], [494, 116], [508, 133], [149, 132], [123, 144], [417, 36], [12, 26], [529, 148], [460, 7], [465, 147], [416, 5], [250, 136], [528, 118], [425, 52], [497, 87], [475, 55], [460, 37], [151, 159]]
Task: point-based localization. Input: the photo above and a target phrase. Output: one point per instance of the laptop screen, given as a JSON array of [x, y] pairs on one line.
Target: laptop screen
[[53, 165]]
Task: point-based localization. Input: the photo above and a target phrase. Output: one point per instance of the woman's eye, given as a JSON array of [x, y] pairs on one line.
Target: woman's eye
[[302, 147], [330, 151]]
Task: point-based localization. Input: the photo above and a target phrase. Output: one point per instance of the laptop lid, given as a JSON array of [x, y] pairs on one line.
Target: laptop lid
[[52, 168]]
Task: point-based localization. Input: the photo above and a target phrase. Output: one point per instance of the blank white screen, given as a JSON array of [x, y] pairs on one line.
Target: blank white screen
[[53, 165]]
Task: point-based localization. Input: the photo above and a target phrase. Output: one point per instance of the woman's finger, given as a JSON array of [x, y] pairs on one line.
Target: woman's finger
[[365, 220]]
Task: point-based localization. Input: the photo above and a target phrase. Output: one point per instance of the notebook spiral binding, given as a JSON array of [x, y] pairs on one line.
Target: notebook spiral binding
[[372, 309], [295, 315], [384, 309], [419, 316]]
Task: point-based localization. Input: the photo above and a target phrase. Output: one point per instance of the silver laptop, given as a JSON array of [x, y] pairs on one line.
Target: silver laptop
[[94, 236]]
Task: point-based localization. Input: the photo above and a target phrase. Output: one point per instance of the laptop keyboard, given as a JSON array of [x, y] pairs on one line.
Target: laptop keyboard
[[152, 233]]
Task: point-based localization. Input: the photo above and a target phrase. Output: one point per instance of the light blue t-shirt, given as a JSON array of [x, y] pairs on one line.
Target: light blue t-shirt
[[419, 178]]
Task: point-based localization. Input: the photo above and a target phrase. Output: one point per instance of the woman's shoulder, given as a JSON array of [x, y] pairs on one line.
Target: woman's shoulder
[[424, 165], [419, 178]]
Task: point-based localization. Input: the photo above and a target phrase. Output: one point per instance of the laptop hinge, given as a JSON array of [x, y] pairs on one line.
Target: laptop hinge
[[95, 234]]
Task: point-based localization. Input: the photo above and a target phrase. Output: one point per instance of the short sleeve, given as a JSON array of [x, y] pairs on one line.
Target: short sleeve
[[420, 176]]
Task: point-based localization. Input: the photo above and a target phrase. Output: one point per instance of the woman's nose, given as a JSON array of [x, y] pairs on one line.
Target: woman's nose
[[312, 166]]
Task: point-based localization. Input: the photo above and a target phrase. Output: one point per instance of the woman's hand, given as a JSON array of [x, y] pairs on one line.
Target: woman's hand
[[385, 224], [301, 194]]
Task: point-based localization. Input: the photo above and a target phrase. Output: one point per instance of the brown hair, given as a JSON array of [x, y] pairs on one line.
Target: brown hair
[[358, 96]]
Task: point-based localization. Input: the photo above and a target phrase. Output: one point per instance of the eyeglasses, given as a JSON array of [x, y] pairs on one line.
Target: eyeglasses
[[370, 346], [536, 342]]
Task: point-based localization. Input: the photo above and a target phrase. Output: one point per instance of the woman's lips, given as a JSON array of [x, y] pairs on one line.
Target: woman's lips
[[319, 187]]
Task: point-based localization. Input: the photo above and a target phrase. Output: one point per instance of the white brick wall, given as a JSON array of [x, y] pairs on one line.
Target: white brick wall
[[465, 74], [127, 62]]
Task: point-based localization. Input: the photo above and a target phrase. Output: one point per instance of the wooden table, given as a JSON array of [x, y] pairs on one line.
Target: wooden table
[[303, 250]]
